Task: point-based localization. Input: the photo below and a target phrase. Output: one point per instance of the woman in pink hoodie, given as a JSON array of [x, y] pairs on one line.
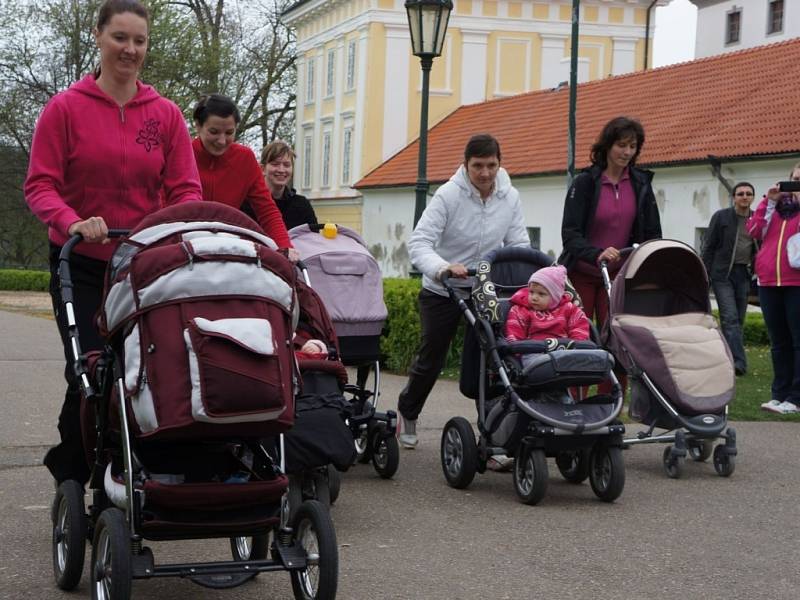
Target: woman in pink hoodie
[[543, 310], [776, 219], [102, 153]]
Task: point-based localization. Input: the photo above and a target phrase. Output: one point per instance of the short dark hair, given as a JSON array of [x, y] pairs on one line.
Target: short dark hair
[[743, 184], [481, 145], [616, 129], [217, 105]]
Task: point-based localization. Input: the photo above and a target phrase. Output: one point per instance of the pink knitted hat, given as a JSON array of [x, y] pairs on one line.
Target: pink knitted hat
[[553, 280]]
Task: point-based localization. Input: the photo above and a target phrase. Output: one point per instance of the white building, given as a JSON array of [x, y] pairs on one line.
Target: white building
[[706, 129], [730, 25]]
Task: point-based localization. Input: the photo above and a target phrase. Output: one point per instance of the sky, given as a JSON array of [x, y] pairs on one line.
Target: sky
[[676, 25]]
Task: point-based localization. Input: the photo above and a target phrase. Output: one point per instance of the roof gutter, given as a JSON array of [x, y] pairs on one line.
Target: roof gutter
[[647, 35], [716, 171]]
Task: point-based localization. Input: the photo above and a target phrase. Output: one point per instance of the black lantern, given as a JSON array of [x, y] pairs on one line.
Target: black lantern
[[427, 22]]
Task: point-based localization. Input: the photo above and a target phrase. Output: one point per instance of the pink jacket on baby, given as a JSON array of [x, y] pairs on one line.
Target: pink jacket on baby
[[566, 320]]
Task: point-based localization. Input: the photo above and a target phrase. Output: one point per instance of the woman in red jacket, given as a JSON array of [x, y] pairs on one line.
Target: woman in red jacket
[[775, 220], [104, 154], [229, 172]]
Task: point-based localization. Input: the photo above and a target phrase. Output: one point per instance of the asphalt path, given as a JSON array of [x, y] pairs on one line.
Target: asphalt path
[[701, 536]]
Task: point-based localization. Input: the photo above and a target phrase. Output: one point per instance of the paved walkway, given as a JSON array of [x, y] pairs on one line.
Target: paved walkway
[[415, 538]]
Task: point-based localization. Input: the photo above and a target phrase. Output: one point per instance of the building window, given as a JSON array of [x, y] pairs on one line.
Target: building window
[[347, 149], [326, 158], [699, 238], [733, 27], [775, 17], [535, 235], [351, 65], [308, 147], [329, 72], [310, 80]]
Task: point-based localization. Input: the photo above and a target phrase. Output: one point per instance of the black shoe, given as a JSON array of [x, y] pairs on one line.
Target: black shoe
[[740, 371]]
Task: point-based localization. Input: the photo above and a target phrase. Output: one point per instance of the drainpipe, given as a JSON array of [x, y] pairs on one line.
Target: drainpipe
[[716, 170], [647, 34]]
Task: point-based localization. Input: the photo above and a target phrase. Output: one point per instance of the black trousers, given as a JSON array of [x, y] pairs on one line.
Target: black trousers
[[439, 319], [67, 460]]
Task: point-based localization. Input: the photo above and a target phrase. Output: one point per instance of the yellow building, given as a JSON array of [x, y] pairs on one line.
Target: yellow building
[[358, 85]]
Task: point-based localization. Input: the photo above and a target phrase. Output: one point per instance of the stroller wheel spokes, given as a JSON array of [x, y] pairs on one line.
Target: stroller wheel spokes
[[530, 474], [315, 534], [111, 557], [250, 548], [69, 534], [724, 462], [385, 453], [606, 472], [459, 453]]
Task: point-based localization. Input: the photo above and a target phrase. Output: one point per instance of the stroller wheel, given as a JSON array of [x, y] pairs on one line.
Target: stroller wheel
[[363, 454], [606, 472], [530, 474], [334, 483], [459, 453], [673, 465], [700, 451], [574, 466], [111, 557], [313, 531], [69, 534], [250, 548], [724, 462], [385, 454]]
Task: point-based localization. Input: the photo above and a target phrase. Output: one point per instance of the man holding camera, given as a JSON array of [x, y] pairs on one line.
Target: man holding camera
[[728, 253]]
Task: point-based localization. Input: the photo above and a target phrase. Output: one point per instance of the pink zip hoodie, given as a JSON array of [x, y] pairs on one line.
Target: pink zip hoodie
[[566, 320], [91, 157], [772, 261]]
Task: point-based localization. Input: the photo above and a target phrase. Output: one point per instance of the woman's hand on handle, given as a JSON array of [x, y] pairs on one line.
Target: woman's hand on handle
[[774, 193], [93, 230], [293, 255], [457, 270], [609, 255]]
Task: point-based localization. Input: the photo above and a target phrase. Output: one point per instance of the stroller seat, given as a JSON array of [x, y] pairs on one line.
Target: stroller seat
[[685, 355]]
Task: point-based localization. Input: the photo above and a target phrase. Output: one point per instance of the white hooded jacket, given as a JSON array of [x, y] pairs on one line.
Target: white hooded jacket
[[458, 227]]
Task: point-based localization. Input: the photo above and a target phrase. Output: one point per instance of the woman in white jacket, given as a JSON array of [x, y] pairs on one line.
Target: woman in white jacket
[[477, 211]]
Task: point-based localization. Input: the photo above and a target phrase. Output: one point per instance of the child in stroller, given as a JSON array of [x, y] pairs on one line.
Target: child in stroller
[[197, 312], [515, 384]]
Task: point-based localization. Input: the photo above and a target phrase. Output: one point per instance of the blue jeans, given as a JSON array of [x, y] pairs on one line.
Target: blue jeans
[[781, 308], [731, 295]]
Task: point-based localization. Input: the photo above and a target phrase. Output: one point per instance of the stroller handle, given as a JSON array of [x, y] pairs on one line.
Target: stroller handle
[[623, 252], [67, 300]]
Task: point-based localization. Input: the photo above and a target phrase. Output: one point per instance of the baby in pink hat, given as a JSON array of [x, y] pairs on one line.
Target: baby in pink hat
[[543, 310]]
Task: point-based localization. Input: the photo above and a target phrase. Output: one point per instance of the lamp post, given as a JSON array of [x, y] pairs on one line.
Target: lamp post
[[427, 21]]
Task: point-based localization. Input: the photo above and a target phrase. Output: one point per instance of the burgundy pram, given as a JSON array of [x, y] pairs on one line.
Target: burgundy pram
[[348, 280], [198, 314], [681, 372]]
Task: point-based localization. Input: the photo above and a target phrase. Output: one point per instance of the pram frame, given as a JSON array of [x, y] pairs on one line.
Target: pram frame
[[288, 553], [691, 436]]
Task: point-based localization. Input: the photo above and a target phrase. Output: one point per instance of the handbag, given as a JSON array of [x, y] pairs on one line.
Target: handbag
[[793, 250]]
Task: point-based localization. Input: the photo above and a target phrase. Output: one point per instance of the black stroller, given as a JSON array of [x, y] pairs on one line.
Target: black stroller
[[524, 409]]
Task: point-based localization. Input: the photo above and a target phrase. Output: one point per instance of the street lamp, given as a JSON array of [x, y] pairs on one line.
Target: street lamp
[[427, 21]]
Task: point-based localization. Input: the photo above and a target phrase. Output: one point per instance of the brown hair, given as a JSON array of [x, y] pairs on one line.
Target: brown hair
[[620, 128], [109, 8], [275, 150], [481, 145]]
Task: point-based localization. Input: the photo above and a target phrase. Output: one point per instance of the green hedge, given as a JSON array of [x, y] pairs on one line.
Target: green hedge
[[23, 280], [401, 337]]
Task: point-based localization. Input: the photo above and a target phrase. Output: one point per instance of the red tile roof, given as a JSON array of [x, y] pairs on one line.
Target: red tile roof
[[733, 105]]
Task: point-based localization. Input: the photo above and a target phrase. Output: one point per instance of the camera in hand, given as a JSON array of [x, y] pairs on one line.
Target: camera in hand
[[789, 186]]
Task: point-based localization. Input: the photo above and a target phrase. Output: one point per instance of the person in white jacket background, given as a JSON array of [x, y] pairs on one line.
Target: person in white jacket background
[[477, 211]]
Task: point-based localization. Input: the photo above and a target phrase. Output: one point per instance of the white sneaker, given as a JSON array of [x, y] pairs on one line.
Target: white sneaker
[[408, 433], [774, 406], [788, 408]]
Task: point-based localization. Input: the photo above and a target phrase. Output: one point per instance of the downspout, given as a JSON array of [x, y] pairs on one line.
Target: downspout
[[716, 170], [647, 34]]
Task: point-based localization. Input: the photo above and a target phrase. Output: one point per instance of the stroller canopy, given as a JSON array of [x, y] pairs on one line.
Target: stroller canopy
[[661, 277], [347, 278]]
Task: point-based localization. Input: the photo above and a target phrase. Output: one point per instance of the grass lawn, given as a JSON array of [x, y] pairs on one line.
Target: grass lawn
[[752, 389]]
